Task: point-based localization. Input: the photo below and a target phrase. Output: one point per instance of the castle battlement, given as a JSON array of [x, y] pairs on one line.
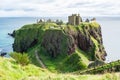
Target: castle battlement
[[74, 19]]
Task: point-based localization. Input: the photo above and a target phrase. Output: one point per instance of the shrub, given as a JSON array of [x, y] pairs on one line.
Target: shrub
[[21, 58]]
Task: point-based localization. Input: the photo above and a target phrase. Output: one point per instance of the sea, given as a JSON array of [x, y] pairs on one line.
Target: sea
[[110, 32]]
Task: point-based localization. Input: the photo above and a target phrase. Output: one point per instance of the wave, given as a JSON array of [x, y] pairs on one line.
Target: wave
[[1, 49], [5, 45]]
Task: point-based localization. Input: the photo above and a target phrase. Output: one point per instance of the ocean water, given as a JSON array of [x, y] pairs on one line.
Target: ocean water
[[110, 32], [111, 37], [7, 25]]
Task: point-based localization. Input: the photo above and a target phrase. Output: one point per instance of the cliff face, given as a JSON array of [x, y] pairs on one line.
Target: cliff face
[[62, 40], [56, 42], [88, 37]]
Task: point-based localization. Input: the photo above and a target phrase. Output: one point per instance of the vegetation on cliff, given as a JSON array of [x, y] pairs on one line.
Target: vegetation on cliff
[[61, 45]]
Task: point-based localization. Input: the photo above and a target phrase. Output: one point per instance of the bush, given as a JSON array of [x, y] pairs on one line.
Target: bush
[[21, 58]]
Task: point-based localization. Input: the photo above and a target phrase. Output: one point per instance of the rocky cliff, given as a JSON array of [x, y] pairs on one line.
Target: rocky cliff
[[62, 40]]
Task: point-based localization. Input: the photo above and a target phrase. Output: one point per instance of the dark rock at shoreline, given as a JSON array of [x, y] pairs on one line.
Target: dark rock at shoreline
[[96, 63], [3, 54], [12, 34]]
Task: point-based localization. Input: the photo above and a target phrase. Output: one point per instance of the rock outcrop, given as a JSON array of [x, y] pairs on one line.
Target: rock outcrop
[[96, 63], [12, 34], [3, 54], [56, 42], [62, 40]]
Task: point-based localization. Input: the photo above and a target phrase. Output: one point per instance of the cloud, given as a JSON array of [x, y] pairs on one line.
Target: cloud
[[59, 7]]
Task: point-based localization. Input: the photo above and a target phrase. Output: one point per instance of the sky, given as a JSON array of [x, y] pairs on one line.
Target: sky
[[57, 8]]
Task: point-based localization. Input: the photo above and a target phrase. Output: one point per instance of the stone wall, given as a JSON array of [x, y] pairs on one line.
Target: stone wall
[[74, 19]]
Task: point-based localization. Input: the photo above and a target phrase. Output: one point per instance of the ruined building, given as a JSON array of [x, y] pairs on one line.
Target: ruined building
[[74, 19], [40, 20]]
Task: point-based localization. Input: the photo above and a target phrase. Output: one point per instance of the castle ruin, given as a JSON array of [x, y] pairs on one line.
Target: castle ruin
[[74, 19]]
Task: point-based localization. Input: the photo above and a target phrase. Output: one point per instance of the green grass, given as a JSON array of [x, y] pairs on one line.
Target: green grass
[[10, 70], [52, 64], [83, 56], [46, 59], [108, 67], [32, 57], [75, 61], [57, 64], [94, 24], [42, 26], [95, 42]]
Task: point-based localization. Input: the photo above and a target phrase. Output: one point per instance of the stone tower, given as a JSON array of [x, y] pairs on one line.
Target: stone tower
[[74, 19]]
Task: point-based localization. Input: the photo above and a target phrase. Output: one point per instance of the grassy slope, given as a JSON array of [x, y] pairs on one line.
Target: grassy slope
[[52, 64], [10, 70], [56, 64], [84, 58], [32, 56]]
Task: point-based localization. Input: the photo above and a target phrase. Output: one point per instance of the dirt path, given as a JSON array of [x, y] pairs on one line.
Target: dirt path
[[39, 60]]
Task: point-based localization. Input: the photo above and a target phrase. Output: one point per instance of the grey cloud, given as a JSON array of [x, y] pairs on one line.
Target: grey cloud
[[14, 9], [28, 9], [8, 9], [90, 5], [108, 12], [73, 5], [39, 1], [82, 3]]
